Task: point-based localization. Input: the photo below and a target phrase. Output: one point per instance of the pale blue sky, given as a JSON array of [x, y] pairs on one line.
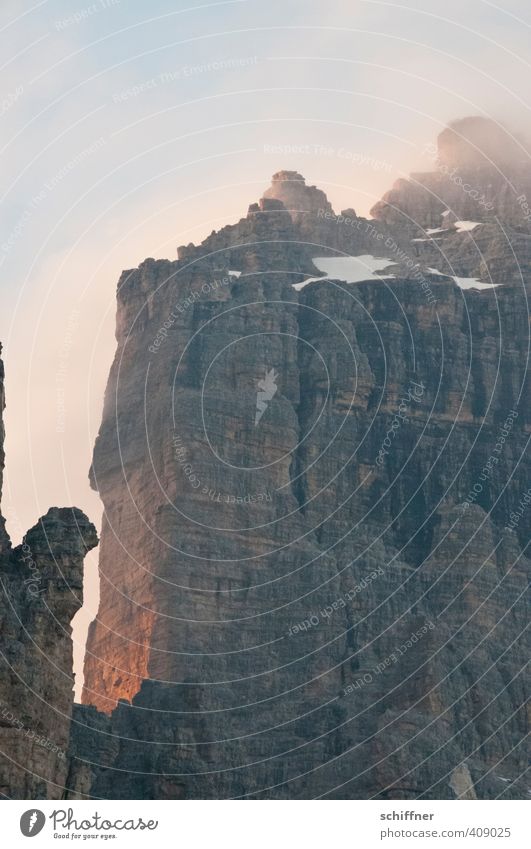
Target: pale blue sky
[[96, 175]]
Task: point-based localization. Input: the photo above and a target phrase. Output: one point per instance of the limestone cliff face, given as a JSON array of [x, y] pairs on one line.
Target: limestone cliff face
[[311, 583], [41, 584]]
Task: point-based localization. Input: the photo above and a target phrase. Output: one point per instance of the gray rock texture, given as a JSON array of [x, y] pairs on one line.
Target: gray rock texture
[[481, 174], [313, 555], [329, 602], [41, 588]]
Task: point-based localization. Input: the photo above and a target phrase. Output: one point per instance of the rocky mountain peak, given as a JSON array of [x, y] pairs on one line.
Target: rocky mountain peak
[[288, 177], [481, 176], [302, 495], [476, 142], [301, 201]]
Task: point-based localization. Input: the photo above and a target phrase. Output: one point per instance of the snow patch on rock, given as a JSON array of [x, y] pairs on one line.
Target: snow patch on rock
[[465, 226], [473, 283], [350, 269]]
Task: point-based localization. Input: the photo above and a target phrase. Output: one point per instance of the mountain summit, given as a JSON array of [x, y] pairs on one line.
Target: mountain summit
[[309, 459], [474, 143], [313, 555], [298, 198]]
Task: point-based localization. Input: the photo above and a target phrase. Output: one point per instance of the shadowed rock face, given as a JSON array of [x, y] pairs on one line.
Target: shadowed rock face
[[328, 600], [41, 590]]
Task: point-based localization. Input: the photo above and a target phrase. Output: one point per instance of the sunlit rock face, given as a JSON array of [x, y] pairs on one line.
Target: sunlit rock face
[[41, 588], [325, 599], [305, 204]]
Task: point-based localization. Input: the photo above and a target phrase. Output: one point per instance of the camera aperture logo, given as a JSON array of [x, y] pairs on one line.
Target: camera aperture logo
[[32, 822], [267, 389]]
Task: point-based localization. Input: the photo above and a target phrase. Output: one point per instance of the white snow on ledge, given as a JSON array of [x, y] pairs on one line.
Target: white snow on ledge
[[465, 282], [350, 269], [464, 226], [473, 283]]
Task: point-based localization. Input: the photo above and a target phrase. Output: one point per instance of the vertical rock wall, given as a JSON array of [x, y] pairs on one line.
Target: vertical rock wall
[[41, 588], [328, 601]]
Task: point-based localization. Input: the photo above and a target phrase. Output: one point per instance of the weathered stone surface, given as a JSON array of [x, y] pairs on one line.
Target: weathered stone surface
[[481, 175], [328, 602], [41, 583], [304, 203]]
